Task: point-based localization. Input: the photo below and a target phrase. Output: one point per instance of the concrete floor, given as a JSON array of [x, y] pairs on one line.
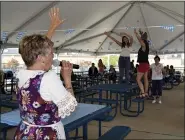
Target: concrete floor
[[159, 121]]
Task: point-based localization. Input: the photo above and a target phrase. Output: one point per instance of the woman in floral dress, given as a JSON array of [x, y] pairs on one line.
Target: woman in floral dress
[[43, 100]]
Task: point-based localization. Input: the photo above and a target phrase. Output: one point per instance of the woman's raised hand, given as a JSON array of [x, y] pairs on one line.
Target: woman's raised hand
[[54, 15]]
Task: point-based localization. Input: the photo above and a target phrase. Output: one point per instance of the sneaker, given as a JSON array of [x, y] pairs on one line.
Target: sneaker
[[160, 102], [154, 101]]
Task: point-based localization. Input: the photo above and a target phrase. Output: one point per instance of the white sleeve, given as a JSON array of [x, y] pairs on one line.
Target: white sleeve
[[52, 89]]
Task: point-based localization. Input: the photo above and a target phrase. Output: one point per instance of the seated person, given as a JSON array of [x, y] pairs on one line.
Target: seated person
[[167, 70], [132, 66], [2, 82], [135, 70], [171, 71], [8, 74], [112, 74], [93, 71], [1, 77]]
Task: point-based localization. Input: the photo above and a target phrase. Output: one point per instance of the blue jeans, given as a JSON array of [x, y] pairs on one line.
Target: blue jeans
[[124, 68]]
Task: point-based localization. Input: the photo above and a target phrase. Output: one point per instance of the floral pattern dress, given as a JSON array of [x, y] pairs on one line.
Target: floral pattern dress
[[35, 111]]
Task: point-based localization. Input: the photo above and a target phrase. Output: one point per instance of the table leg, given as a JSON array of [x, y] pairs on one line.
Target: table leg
[[85, 130], [100, 95], [12, 82], [76, 135], [99, 124], [67, 135], [4, 134]]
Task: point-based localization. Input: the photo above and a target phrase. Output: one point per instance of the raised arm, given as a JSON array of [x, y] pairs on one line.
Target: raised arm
[[130, 37], [140, 40], [125, 34], [117, 42], [54, 15]]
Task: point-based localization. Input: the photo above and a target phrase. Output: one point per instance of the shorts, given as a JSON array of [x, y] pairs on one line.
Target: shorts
[[143, 67]]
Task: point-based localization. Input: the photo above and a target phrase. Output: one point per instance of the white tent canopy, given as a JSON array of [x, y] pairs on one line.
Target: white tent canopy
[[89, 20]]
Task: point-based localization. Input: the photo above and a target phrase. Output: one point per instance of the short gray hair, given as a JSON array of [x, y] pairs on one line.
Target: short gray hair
[[33, 45]]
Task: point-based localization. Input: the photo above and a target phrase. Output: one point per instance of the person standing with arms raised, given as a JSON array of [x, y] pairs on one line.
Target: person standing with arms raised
[[144, 67], [124, 59]]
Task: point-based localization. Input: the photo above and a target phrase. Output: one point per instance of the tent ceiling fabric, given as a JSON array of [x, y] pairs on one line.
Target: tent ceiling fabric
[[81, 15]]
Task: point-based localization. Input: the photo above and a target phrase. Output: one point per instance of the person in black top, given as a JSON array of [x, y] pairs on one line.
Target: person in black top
[[167, 70], [135, 69], [93, 71], [171, 71], [143, 63], [132, 65]]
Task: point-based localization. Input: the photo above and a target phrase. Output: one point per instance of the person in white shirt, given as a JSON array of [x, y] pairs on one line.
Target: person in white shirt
[[157, 77], [42, 98], [124, 59]]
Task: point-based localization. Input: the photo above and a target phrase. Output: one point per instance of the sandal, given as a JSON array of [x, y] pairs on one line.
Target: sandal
[[146, 94], [143, 96]]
